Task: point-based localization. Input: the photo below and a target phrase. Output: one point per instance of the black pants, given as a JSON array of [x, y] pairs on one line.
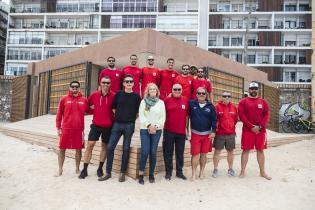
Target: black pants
[[169, 141]]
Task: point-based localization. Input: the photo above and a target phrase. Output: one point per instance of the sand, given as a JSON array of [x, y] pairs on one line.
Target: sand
[[27, 182]]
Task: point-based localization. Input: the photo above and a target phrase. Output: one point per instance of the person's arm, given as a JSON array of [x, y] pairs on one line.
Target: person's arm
[[265, 119], [235, 116], [213, 118], [242, 115], [59, 116], [143, 119], [90, 108], [162, 116]]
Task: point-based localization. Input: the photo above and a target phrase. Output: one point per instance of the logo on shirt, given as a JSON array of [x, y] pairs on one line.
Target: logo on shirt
[[183, 106], [80, 102], [173, 75], [68, 102], [117, 75], [260, 106], [189, 81], [207, 110], [232, 112], [154, 74]]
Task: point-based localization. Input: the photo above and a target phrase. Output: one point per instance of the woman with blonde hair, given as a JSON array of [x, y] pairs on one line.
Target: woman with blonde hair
[[152, 118]]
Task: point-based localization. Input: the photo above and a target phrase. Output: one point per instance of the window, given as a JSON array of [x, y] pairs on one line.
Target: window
[[290, 43], [16, 69], [278, 59], [236, 57], [290, 59], [251, 59], [290, 24], [226, 41], [289, 76], [290, 7], [212, 41], [237, 41], [304, 7]]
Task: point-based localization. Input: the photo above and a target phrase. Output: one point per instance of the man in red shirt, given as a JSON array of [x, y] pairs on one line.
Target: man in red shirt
[[254, 113], [185, 80], [100, 103], [225, 135], [174, 133], [193, 71], [70, 124], [149, 74], [135, 71], [167, 78], [200, 81], [113, 73]]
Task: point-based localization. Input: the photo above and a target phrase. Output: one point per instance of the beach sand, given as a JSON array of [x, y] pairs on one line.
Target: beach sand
[[27, 182]]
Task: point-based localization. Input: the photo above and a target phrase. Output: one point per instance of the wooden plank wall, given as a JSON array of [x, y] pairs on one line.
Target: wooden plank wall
[[20, 97], [222, 81], [272, 96], [59, 83], [43, 93]]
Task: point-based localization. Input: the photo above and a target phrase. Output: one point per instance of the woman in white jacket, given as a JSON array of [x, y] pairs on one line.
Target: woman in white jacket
[[152, 118]]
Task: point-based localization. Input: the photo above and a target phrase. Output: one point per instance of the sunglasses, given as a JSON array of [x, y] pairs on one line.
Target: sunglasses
[[177, 89], [107, 83], [150, 59], [201, 93], [226, 96], [74, 86], [186, 69], [128, 81], [200, 72], [111, 60], [253, 88]]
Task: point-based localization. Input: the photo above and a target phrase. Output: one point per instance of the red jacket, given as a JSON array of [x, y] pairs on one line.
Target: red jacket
[[166, 82], [149, 75], [186, 83], [70, 114], [226, 118], [253, 111], [103, 114]]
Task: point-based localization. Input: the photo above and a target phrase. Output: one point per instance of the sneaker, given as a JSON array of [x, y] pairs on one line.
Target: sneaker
[[231, 172], [122, 177], [181, 176], [141, 181], [100, 172], [215, 173], [151, 179], [104, 178], [83, 174]]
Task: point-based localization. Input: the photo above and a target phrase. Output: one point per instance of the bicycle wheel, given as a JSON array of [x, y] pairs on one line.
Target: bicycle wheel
[[299, 127], [286, 127]]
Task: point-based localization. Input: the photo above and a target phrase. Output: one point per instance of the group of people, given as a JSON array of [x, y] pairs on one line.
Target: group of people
[[172, 105]]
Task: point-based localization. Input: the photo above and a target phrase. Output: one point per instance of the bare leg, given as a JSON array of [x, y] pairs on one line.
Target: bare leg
[[61, 160], [244, 160], [103, 153], [88, 151], [261, 163], [216, 158], [203, 161], [194, 164], [230, 158], [78, 156]]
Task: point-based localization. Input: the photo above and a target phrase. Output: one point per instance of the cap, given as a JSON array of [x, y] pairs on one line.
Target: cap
[[150, 57], [253, 85]]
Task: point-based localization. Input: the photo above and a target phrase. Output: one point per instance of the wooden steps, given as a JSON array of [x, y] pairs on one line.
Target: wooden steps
[[51, 141]]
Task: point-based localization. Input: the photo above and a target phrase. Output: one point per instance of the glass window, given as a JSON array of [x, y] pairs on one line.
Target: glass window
[[251, 59]]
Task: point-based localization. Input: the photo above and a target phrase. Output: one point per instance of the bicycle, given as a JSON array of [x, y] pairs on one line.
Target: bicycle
[[303, 126], [289, 124]]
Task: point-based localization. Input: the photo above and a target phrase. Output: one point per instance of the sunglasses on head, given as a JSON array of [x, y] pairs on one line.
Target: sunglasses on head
[[177, 89], [201, 93], [225, 96], [107, 83], [128, 81]]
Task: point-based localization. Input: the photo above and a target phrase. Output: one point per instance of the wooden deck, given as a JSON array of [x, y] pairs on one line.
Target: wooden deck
[[41, 131]]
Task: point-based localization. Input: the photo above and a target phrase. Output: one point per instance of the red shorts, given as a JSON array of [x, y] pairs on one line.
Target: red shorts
[[71, 139], [251, 140], [200, 144]]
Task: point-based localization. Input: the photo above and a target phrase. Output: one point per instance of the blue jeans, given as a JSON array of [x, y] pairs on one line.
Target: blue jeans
[[149, 145], [119, 129]]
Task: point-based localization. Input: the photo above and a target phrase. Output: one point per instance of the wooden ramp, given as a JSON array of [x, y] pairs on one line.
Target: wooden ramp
[[41, 131]]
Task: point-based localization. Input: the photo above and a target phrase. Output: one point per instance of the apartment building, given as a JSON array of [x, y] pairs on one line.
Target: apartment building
[[4, 11], [272, 35]]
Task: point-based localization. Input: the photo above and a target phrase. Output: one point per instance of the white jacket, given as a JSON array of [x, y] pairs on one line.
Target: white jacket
[[155, 116]]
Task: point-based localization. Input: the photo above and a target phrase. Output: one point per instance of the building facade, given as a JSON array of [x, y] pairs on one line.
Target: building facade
[[4, 11], [272, 35]]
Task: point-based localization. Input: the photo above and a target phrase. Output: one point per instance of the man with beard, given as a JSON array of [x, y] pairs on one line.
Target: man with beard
[[254, 113], [134, 71], [70, 124], [149, 74], [167, 78], [113, 73], [200, 81], [185, 80]]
